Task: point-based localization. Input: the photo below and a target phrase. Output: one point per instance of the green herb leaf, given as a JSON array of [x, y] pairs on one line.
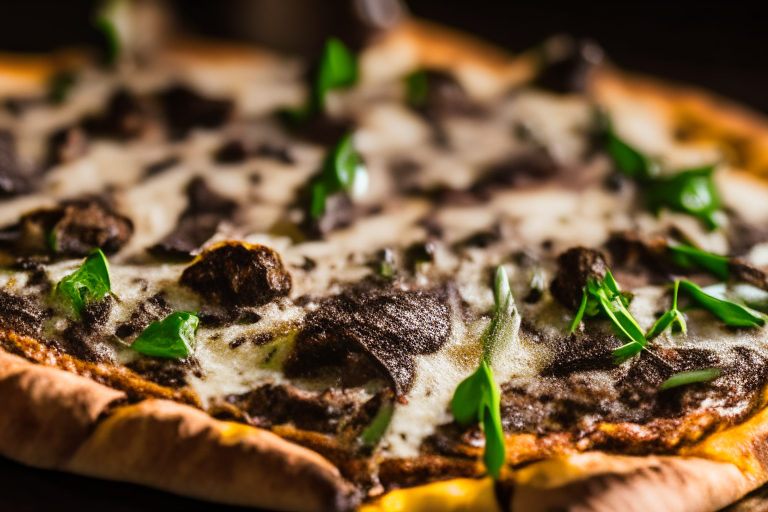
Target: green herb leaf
[[343, 171], [630, 161], [59, 87], [109, 17], [174, 336], [86, 285], [417, 87], [338, 68], [690, 377], [691, 192], [687, 256], [503, 317], [375, 430], [668, 318], [477, 400], [731, 313], [580, 312]]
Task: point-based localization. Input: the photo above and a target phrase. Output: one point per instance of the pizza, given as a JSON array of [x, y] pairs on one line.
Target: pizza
[[421, 274]]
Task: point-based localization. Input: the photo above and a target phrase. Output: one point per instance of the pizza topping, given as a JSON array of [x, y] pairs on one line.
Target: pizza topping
[[575, 268], [59, 87], [731, 313], [373, 433], [151, 310], [185, 109], [436, 94], [690, 377], [87, 285], [12, 179], [571, 72], [125, 117], [20, 314], [174, 336], [67, 145], [338, 69], [205, 210], [669, 318], [388, 325], [238, 274]]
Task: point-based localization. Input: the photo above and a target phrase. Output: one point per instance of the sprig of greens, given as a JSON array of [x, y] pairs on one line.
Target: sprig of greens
[[375, 430], [59, 86], [731, 313], [477, 399], [669, 318], [690, 377], [692, 191], [338, 69], [687, 256], [174, 336], [109, 19], [343, 171], [86, 285], [605, 296], [416, 88]]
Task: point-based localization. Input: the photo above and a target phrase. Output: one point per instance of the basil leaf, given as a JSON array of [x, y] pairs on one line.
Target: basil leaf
[[86, 285], [690, 377], [378, 426], [687, 256], [338, 68], [108, 18], [417, 87], [174, 336], [629, 160], [343, 171], [668, 318], [691, 192], [478, 400], [731, 313]]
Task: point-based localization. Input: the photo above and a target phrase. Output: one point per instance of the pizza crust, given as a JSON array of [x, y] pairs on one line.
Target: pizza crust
[[55, 420]]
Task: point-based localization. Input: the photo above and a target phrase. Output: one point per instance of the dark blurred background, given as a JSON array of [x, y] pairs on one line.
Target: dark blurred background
[[722, 46]]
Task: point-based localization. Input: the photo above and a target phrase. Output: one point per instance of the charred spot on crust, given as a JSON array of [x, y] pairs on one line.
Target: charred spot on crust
[[12, 179], [185, 109], [151, 310], [574, 268], [206, 209], [72, 229], [238, 274], [20, 314], [387, 325], [573, 72]]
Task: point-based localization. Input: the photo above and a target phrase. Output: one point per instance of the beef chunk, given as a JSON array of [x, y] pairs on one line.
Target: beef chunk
[[12, 179], [185, 109], [66, 145], [205, 211], [238, 274], [72, 229], [574, 268], [20, 314], [125, 117], [151, 310], [389, 326], [572, 73]]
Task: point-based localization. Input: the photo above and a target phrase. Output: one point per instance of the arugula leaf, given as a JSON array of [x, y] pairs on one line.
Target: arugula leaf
[[690, 377], [477, 398], [174, 336], [86, 285], [731, 313], [343, 171], [630, 161], [691, 192], [378, 426], [668, 318], [417, 87], [687, 256], [338, 68]]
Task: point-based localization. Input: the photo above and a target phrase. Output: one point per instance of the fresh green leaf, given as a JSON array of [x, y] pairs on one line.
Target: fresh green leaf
[[110, 15], [669, 318], [691, 192], [86, 285], [687, 256], [378, 426], [503, 315], [630, 161], [614, 305], [627, 351], [417, 88], [731, 313], [338, 68], [741, 293], [580, 312], [59, 87], [343, 171], [690, 377], [478, 400], [174, 336]]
